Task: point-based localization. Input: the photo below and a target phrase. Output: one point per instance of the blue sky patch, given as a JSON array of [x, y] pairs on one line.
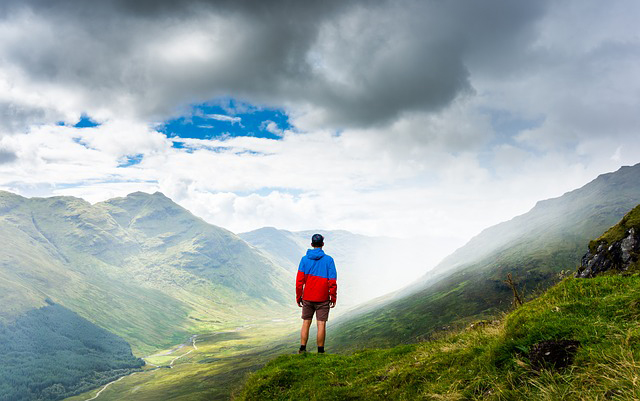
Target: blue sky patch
[[227, 118], [131, 160], [86, 122]]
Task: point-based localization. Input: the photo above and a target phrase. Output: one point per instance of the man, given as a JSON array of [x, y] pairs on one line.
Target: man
[[316, 291]]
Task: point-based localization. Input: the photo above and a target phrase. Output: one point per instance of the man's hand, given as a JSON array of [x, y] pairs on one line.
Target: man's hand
[[332, 304], [300, 303]]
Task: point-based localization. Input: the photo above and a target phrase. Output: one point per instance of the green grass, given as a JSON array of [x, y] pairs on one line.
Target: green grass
[[489, 362]]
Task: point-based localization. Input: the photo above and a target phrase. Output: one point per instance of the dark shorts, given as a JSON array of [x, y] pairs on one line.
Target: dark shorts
[[321, 309]]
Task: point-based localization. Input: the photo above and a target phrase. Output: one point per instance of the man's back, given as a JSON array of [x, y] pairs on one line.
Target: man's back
[[317, 277]]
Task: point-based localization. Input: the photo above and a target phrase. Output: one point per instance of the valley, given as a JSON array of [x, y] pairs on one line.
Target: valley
[[209, 366]]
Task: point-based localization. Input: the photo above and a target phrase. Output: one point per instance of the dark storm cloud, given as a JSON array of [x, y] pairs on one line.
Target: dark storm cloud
[[18, 118], [354, 63]]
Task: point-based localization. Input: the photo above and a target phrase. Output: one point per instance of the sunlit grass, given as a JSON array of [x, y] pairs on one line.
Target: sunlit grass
[[212, 371]]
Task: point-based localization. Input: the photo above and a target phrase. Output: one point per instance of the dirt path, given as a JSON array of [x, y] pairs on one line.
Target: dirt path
[[195, 347], [108, 384]]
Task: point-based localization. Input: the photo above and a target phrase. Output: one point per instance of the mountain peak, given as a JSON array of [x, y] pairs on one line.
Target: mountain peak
[[141, 194], [139, 199]]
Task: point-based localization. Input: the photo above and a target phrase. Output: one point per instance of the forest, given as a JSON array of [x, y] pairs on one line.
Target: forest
[[52, 353]]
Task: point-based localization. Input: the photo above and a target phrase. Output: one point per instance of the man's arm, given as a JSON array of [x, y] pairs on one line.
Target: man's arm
[[300, 281], [333, 284]]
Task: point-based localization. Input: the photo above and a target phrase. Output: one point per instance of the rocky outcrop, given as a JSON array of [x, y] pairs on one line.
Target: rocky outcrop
[[618, 256]]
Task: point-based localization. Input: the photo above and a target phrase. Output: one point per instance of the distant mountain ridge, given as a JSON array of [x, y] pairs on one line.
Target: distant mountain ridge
[[468, 284]]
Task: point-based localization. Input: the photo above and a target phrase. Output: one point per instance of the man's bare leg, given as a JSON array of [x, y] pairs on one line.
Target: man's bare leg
[[322, 330], [304, 332]]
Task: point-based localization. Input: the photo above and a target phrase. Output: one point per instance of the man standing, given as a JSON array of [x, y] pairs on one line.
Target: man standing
[[316, 290]]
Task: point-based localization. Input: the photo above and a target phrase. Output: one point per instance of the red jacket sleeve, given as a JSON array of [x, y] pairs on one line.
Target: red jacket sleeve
[[300, 280], [333, 290], [333, 282]]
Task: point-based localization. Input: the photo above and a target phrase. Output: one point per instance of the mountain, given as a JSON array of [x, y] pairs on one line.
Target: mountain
[[141, 267], [469, 284], [367, 266], [578, 341]]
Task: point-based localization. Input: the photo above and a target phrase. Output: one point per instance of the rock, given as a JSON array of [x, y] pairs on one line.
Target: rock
[[553, 354], [617, 256], [628, 245]]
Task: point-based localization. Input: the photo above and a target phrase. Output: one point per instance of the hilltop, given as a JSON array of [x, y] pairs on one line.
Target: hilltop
[[579, 340]]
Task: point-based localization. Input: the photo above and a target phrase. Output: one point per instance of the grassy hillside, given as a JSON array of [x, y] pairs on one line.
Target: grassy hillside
[[284, 247], [469, 285], [493, 361], [140, 266]]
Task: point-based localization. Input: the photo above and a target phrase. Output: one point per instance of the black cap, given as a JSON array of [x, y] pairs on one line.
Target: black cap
[[317, 240]]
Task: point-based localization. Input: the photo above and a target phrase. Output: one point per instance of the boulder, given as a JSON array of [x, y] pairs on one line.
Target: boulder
[[616, 257]]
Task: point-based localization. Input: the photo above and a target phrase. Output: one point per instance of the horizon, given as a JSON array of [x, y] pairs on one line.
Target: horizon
[[298, 116], [306, 229]]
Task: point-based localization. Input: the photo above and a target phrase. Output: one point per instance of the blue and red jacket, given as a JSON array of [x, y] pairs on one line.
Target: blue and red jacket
[[317, 277]]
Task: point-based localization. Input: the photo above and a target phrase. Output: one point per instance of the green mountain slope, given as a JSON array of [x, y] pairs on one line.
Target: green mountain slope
[[580, 340], [469, 285], [141, 266], [284, 247]]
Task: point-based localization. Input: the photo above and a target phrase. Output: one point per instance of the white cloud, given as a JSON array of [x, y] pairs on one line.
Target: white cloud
[[272, 127], [222, 117]]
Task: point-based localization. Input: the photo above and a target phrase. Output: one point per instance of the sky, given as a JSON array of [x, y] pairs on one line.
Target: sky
[[414, 119]]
